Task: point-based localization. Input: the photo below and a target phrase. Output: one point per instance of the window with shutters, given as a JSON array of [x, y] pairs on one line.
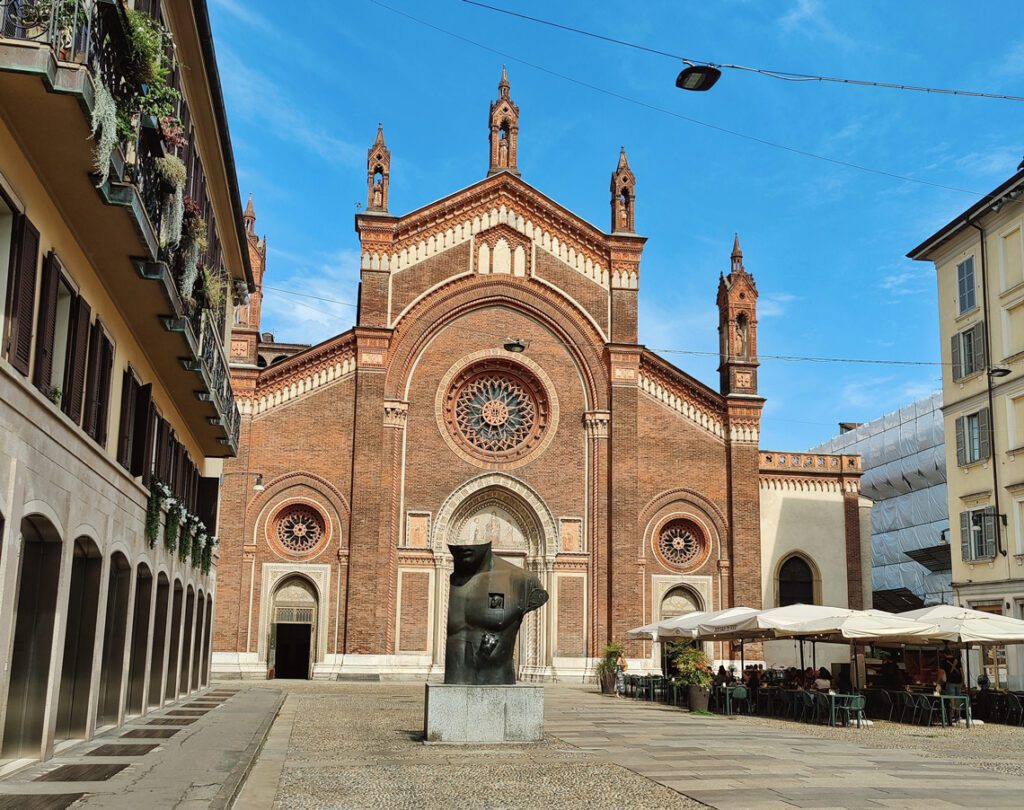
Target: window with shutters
[[969, 351], [126, 423], [19, 307], [965, 285], [7, 215], [973, 437], [55, 333], [97, 385], [978, 534]]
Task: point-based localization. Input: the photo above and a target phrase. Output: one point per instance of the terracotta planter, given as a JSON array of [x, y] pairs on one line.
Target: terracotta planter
[[698, 697], [607, 684]]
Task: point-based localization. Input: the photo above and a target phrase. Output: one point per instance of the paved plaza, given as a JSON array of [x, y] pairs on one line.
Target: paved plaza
[[297, 744]]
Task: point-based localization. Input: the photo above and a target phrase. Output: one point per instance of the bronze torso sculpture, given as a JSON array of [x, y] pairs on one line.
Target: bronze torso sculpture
[[486, 605]]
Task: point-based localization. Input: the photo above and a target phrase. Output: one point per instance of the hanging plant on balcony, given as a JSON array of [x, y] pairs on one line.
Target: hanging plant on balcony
[[214, 289], [193, 243], [104, 122], [198, 544], [158, 493], [146, 66], [172, 131], [173, 524], [207, 560], [172, 209], [190, 526]]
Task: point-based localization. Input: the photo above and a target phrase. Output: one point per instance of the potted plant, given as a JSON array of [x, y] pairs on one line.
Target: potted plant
[[695, 673], [606, 668]]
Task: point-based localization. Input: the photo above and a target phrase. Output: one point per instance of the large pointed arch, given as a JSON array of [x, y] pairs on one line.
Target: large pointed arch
[[467, 294], [532, 513]]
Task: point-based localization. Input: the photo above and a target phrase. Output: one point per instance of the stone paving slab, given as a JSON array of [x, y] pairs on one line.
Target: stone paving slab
[[729, 763], [199, 768]]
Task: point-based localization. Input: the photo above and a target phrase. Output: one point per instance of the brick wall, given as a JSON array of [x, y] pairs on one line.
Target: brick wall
[[413, 612], [571, 639]]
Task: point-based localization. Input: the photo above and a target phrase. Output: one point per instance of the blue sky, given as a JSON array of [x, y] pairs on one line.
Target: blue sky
[[306, 87]]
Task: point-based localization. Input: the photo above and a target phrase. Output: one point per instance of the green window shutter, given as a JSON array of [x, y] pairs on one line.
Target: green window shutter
[[965, 535], [985, 433], [980, 354], [958, 370], [961, 449], [989, 529]]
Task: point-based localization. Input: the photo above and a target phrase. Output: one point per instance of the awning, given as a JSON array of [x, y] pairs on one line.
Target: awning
[[966, 626]]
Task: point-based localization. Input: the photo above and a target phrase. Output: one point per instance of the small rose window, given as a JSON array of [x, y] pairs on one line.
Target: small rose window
[[682, 544], [300, 528]]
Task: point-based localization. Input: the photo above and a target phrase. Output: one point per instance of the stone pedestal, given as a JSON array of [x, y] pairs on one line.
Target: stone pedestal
[[459, 713]]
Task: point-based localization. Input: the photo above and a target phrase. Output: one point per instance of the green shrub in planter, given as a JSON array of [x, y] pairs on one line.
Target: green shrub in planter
[[606, 668]]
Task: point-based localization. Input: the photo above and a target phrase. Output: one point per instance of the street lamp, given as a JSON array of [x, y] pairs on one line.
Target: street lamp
[[515, 345], [998, 371], [698, 78], [257, 485]]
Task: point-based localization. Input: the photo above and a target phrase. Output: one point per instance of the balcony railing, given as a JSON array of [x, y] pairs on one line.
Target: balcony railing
[[216, 370], [97, 34]]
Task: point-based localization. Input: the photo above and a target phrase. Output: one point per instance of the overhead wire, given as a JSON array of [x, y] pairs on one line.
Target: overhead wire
[[785, 75], [689, 119], [682, 352]]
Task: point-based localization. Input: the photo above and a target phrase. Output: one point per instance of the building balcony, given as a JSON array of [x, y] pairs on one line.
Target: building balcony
[[50, 69]]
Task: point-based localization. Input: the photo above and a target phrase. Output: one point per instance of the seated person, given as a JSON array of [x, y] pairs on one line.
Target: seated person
[[823, 681]]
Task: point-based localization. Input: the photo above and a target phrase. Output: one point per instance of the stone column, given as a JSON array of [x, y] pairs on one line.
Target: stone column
[[443, 566], [596, 424]]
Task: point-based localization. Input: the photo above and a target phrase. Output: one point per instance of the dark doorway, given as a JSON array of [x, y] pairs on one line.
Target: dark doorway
[[293, 650], [36, 612], [79, 640]]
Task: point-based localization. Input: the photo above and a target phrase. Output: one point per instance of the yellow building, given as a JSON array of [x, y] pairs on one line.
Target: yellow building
[[979, 262], [121, 249]]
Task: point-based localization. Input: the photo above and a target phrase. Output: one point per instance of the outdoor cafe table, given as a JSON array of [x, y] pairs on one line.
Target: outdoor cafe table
[[832, 698]]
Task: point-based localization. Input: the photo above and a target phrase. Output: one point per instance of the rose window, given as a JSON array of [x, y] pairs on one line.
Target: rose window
[[497, 410], [682, 544], [300, 529]]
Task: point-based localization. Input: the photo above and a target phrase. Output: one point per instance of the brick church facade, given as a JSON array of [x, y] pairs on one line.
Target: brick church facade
[[493, 387]]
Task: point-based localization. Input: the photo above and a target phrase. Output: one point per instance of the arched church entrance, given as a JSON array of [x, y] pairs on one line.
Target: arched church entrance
[[677, 601], [292, 647], [516, 532]]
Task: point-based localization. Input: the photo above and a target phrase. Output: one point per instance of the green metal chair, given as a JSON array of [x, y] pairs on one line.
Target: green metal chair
[[852, 707]]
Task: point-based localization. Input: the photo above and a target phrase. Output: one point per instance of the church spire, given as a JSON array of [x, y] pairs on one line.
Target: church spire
[[737, 327], [378, 171], [737, 255], [623, 190], [249, 217], [504, 127], [503, 86]]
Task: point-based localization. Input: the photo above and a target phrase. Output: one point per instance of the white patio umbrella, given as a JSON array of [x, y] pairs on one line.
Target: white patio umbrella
[[763, 623], [860, 626], [646, 633], [966, 626], [685, 626]]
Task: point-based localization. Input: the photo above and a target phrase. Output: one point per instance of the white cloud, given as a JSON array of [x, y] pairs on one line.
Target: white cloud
[[882, 393], [774, 304], [808, 18], [320, 296], [256, 98], [905, 278]]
